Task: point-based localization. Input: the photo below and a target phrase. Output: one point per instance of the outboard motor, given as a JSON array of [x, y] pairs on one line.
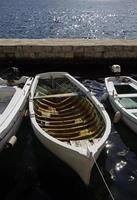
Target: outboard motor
[[116, 69], [12, 75]]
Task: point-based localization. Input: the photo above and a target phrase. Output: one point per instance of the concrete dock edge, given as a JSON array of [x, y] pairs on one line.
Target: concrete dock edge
[[67, 49]]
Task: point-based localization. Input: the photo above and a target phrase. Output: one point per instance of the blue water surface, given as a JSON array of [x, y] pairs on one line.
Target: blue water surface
[[96, 19]]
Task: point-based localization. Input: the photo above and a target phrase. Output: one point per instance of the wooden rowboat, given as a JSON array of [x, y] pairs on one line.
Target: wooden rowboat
[[122, 93], [68, 120], [13, 99]]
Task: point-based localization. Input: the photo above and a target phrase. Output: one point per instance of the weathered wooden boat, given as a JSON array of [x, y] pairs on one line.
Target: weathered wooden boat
[[13, 98], [68, 120], [122, 93]]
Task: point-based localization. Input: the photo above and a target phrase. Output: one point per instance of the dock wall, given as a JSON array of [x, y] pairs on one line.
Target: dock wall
[[67, 49], [79, 56]]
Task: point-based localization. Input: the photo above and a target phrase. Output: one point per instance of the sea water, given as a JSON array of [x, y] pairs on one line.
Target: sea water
[[96, 19]]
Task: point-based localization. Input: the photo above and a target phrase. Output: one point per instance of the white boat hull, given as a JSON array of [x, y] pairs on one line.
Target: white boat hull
[[11, 130], [80, 159], [127, 114], [82, 164], [76, 162], [125, 117], [12, 116]]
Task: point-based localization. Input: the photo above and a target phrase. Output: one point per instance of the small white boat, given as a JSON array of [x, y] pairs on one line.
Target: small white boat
[[68, 120], [13, 98], [122, 94]]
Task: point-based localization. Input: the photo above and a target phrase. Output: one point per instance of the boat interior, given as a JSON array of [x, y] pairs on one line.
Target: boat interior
[[125, 89], [64, 112], [6, 94], [127, 96]]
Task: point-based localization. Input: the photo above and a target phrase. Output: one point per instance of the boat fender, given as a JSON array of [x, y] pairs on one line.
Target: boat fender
[[104, 97], [117, 117], [11, 142]]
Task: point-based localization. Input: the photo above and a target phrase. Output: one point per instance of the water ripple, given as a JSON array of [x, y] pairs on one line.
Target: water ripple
[[68, 19]]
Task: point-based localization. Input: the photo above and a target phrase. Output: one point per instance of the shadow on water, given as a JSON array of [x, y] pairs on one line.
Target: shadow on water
[[29, 171], [128, 137], [122, 159]]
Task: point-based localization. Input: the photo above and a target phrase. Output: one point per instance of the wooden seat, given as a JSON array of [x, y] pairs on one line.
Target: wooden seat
[[57, 95]]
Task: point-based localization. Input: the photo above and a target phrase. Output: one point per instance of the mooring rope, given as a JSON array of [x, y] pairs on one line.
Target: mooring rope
[[103, 178]]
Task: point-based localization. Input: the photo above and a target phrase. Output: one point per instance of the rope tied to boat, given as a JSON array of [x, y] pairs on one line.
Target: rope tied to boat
[[108, 189]]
